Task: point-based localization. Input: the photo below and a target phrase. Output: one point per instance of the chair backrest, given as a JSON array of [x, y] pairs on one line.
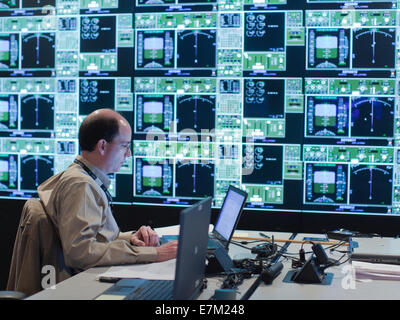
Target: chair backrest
[[37, 261]]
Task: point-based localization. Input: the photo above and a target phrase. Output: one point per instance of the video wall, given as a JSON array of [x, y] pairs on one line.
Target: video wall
[[294, 101]]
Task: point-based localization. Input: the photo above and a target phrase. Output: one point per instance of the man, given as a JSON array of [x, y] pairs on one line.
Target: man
[[77, 201]]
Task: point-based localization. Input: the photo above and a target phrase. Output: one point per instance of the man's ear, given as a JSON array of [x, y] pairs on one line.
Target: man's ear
[[101, 146]]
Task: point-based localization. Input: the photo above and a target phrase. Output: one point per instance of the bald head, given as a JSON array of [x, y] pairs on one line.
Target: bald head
[[100, 124]]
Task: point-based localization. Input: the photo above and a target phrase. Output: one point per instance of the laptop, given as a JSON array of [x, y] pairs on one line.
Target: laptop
[[190, 262], [227, 221], [228, 218], [377, 250]]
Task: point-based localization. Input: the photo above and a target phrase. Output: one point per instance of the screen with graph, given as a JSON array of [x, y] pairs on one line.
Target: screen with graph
[[294, 101]]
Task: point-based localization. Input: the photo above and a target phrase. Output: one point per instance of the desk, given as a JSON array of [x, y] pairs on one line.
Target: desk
[[84, 286]]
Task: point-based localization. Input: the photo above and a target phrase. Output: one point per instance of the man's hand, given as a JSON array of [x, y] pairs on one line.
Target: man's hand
[[167, 251], [145, 236]]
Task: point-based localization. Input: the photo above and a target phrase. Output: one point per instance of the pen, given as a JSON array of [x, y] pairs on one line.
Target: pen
[[264, 235], [108, 279]]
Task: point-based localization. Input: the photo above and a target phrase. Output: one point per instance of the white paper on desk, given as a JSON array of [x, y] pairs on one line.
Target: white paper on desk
[[152, 271], [366, 270], [376, 276]]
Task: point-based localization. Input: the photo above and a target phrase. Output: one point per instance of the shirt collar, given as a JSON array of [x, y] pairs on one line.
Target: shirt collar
[[100, 174]]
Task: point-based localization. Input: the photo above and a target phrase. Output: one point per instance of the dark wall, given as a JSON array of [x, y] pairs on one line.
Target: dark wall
[[386, 226], [10, 211], [132, 217]]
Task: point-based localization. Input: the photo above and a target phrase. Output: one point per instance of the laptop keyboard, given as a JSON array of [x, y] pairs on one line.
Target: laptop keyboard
[[153, 290]]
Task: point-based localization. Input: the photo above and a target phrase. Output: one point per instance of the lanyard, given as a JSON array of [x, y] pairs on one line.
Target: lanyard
[[94, 177]]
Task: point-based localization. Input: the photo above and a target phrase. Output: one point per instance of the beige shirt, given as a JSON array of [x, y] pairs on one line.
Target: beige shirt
[[88, 231]]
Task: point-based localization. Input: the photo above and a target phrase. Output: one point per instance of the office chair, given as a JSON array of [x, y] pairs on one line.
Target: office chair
[[37, 244]]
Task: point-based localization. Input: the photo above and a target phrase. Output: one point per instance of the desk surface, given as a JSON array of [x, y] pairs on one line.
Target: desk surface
[[85, 286]]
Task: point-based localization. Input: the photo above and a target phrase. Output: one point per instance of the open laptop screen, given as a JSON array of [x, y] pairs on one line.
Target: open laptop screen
[[230, 213]]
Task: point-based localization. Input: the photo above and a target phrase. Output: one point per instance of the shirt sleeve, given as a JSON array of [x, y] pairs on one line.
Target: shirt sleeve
[[82, 216], [125, 236]]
